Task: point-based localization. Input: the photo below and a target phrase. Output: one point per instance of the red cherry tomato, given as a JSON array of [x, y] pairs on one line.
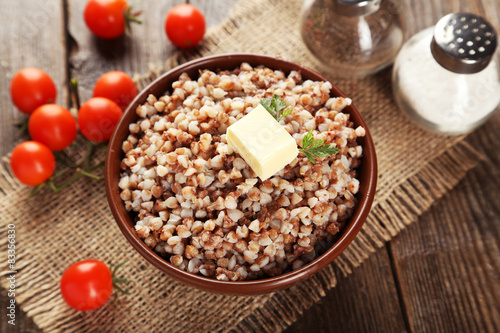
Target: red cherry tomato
[[86, 285], [31, 87], [185, 25], [32, 162], [105, 18], [116, 86], [52, 125], [97, 118]]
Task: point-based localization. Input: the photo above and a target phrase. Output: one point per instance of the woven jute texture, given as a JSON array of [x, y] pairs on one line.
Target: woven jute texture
[[55, 230]]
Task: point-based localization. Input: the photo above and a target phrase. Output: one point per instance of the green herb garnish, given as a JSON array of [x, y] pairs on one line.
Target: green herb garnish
[[275, 106], [311, 148], [316, 148]]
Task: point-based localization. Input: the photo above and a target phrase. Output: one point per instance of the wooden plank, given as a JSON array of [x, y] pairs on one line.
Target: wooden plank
[[214, 10], [91, 56], [448, 263], [365, 301], [148, 44], [32, 35], [425, 13]]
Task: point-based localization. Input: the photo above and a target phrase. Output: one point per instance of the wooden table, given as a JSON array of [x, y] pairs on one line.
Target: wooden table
[[439, 275]]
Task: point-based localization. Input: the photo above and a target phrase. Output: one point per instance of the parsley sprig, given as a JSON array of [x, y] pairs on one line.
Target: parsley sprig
[[311, 148], [275, 106], [316, 148]]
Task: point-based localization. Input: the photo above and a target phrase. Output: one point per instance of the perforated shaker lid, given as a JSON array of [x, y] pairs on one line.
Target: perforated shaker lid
[[355, 7], [463, 43]]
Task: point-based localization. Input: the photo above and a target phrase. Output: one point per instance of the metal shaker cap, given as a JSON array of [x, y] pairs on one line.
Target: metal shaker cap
[[463, 43], [355, 7]]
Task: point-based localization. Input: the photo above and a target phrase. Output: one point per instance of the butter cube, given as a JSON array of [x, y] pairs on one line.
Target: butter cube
[[262, 142]]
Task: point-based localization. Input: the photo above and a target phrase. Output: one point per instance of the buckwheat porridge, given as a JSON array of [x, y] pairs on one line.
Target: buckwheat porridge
[[198, 204]]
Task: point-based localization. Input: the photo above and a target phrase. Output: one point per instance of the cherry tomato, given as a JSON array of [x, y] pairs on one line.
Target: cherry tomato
[[116, 86], [32, 162], [106, 18], [97, 118], [86, 285], [185, 25], [31, 87], [52, 125]]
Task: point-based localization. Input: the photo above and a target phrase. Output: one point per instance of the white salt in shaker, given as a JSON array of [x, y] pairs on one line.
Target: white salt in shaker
[[353, 38], [445, 77]]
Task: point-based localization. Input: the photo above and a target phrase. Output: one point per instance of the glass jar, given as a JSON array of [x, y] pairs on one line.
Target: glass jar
[[446, 78], [353, 38]]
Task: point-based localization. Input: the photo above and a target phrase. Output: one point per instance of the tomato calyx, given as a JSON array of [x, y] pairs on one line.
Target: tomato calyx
[[118, 280], [109, 19], [131, 17], [75, 97], [82, 169], [22, 125]]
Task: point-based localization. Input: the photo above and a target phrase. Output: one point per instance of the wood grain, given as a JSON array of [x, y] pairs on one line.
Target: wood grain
[[91, 56], [32, 35], [148, 44], [448, 263], [365, 301]]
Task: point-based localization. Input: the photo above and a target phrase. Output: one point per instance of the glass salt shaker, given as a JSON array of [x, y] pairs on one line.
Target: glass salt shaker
[[353, 38], [446, 78]]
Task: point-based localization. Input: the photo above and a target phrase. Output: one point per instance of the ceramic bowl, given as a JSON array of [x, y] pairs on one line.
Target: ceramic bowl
[[367, 177]]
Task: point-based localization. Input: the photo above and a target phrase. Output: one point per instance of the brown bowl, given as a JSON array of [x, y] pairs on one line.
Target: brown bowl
[[367, 177]]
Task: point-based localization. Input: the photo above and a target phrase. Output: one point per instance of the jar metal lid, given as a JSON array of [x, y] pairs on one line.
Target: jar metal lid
[[463, 43], [355, 7]]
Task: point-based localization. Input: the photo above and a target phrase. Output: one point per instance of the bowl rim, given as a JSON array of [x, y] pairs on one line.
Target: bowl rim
[[250, 287]]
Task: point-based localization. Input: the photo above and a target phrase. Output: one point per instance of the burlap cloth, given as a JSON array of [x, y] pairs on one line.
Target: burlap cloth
[[55, 230]]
